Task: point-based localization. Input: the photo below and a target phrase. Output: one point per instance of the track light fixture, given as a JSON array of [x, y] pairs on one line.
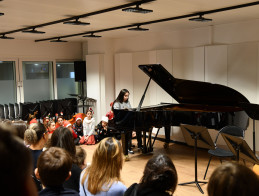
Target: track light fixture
[[58, 40], [92, 35], [5, 37], [33, 31], [137, 9], [138, 28], [200, 19], [76, 22]]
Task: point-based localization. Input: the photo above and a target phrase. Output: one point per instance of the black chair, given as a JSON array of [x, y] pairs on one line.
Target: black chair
[[2, 112], [11, 111], [222, 153], [6, 111], [16, 111]]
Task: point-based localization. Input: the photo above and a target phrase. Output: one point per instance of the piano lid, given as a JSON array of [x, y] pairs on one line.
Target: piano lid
[[193, 92]]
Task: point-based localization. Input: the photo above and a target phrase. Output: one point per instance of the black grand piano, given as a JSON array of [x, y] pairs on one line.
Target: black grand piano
[[199, 103]]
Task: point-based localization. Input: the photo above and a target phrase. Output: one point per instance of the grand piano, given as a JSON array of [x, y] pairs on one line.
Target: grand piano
[[199, 103]]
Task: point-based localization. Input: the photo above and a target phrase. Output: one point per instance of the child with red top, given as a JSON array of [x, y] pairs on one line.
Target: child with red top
[[60, 122], [68, 125], [51, 126]]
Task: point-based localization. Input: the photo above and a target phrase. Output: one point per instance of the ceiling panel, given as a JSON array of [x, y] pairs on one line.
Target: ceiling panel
[[24, 13]]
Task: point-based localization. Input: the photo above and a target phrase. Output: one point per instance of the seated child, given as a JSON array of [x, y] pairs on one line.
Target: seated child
[[53, 169], [78, 125], [68, 125], [80, 157], [102, 129]]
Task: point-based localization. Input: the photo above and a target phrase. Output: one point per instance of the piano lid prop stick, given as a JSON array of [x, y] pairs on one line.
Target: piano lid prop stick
[[143, 96]]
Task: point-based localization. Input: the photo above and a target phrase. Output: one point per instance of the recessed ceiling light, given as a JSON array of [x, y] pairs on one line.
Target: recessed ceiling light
[[76, 22], [200, 19], [33, 31], [92, 35], [137, 9], [58, 40], [138, 28], [5, 37]]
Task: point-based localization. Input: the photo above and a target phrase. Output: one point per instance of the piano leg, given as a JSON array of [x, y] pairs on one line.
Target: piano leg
[[124, 141], [167, 136]]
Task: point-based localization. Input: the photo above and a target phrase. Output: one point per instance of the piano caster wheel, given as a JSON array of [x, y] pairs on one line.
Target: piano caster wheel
[[166, 145], [126, 157]]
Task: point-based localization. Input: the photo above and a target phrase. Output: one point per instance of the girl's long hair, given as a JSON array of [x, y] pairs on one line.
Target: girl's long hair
[[63, 138], [120, 97], [105, 167]]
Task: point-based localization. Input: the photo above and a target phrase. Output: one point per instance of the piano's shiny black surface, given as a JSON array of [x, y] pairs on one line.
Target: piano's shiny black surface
[[199, 103]]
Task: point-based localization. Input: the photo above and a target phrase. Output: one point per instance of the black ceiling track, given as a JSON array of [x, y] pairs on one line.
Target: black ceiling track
[[78, 16], [157, 21]]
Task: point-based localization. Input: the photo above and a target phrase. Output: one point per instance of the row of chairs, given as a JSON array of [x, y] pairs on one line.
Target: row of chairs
[[11, 111], [66, 107]]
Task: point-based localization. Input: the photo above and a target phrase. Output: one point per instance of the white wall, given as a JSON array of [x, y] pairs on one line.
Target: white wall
[[224, 54]]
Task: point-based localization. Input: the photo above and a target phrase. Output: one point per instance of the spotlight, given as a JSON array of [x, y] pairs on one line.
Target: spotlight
[[138, 28], [92, 35], [5, 37], [33, 31], [1, 14], [137, 9], [200, 19], [76, 22], [58, 40]]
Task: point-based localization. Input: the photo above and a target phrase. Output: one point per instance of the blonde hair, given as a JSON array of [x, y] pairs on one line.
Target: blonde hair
[[34, 133], [105, 167]]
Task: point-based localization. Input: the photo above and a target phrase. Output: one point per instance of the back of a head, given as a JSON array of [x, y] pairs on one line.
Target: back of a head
[[16, 164], [80, 157], [20, 127], [34, 133], [232, 179], [159, 174], [106, 165], [54, 166], [63, 138]]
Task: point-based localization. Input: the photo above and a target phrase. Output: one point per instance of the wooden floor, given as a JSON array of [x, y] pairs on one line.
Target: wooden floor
[[183, 159]]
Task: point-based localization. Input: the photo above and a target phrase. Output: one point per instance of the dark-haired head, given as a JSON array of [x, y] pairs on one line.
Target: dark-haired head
[[63, 138], [120, 97], [159, 174], [232, 179], [16, 165], [53, 166]]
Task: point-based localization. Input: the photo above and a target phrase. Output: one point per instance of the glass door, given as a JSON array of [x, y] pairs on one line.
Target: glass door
[[37, 81]]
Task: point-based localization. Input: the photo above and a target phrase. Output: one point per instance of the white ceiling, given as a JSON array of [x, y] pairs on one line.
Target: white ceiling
[[22, 13]]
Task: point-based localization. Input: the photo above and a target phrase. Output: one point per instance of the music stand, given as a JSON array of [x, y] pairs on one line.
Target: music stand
[[197, 136], [240, 148]]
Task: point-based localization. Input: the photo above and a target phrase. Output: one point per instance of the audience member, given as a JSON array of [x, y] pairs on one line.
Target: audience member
[[46, 121], [232, 179], [78, 125], [20, 127], [88, 129], [102, 177], [80, 157], [102, 129], [63, 138], [16, 165], [159, 178], [53, 169], [36, 137], [59, 122], [68, 125], [51, 126]]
